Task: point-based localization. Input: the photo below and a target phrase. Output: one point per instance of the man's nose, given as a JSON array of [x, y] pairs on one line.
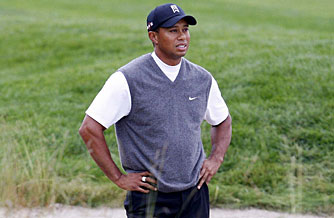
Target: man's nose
[[182, 35]]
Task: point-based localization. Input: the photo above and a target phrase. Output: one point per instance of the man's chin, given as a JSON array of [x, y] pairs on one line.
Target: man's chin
[[182, 54]]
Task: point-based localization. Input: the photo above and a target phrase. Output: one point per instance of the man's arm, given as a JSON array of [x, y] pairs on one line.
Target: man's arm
[[220, 139], [92, 134]]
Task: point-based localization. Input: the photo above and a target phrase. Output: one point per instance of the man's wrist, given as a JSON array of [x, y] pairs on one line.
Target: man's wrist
[[117, 179], [218, 159]]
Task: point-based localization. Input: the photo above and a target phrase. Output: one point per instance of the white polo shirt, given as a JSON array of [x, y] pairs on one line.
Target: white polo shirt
[[114, 100]]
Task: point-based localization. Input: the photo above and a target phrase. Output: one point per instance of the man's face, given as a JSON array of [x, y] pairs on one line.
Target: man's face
[[172, 43]]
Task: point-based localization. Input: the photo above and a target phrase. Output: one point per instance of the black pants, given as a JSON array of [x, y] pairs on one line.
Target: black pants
[[190, 203]]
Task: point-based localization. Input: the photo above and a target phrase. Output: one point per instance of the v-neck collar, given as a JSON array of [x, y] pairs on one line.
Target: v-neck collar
[[158, 70]]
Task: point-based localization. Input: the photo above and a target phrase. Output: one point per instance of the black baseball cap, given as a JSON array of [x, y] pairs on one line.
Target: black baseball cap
[[167, 15]]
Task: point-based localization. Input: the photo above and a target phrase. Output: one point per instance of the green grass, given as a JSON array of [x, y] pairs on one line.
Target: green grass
[[273, 60]]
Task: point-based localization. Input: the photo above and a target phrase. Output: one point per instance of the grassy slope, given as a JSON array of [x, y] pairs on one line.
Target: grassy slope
[[273, 61]]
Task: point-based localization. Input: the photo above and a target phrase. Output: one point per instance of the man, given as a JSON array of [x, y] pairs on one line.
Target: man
[[157, 103]]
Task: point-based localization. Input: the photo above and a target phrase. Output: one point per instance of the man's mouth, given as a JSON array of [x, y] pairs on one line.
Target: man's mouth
[[181, 46]]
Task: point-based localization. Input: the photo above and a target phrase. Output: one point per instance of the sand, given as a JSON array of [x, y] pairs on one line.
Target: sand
[[63, 211]]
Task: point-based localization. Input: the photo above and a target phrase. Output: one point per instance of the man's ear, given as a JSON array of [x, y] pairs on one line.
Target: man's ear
[[153, 37]]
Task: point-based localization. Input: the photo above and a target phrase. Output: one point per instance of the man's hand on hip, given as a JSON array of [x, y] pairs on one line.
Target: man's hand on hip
[[209, 169], [135, 182]]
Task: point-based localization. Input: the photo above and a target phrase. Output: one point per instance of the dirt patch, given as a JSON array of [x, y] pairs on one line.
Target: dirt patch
[[63, 211]]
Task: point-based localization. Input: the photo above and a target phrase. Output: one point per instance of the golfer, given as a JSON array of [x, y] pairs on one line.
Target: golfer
[[157, 103]]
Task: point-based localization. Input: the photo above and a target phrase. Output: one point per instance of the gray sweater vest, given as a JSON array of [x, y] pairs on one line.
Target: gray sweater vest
[[162, 133]]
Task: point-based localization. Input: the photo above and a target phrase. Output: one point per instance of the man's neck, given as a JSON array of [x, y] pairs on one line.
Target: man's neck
[[168, 61]]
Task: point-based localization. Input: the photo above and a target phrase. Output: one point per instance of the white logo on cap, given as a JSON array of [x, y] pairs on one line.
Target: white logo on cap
[[174, 8], [149, 25]]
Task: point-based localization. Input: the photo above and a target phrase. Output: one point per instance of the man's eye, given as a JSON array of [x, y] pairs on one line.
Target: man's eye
[[174, 31]]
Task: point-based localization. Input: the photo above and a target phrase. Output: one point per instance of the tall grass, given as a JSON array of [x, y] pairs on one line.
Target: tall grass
[[34, 175], [273, 61]]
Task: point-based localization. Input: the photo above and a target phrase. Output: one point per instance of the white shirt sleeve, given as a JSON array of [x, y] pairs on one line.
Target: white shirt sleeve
[[113, 101], [217, 110]]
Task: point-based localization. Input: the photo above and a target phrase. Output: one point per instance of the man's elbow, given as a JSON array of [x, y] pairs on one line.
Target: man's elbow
[[83, 129], [229, 120]]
